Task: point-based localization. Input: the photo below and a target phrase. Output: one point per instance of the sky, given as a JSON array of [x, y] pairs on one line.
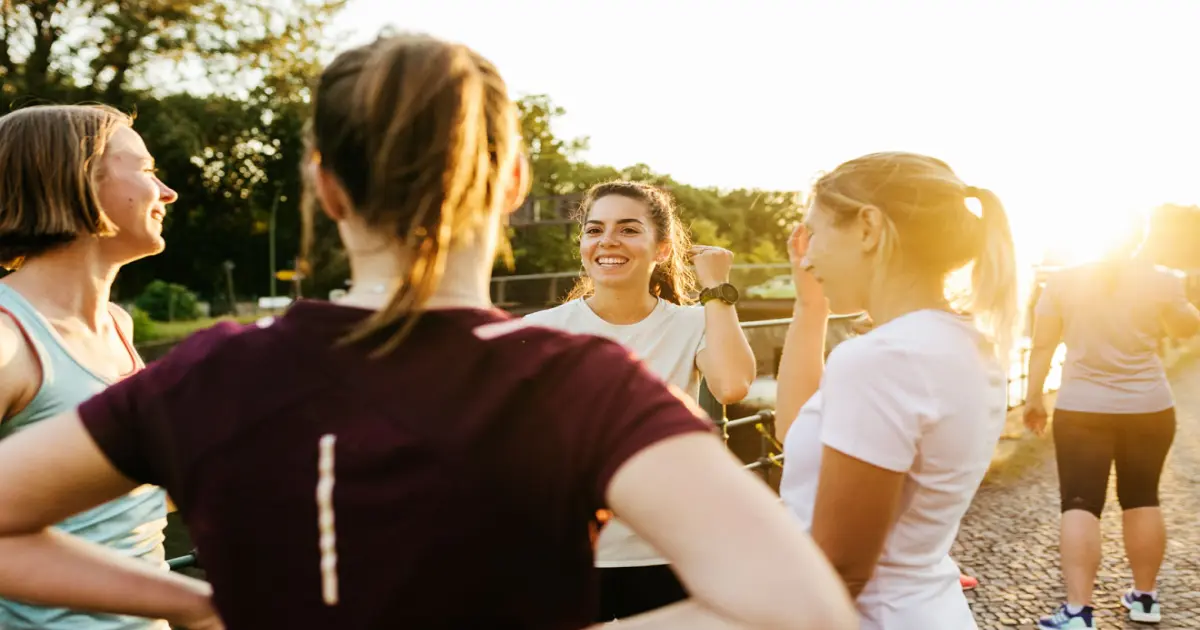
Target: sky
[[1075, 113]]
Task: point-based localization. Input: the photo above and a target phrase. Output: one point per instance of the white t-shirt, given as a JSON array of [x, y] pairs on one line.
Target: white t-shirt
[[667, 341], [923, 395], [1112, 363]]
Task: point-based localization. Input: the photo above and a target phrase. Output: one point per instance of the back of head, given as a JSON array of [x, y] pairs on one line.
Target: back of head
[[420, 134], [929, 230], [50, 159], [1122, 248]]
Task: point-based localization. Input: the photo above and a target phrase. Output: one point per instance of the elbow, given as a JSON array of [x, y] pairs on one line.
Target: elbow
[[728, 393]]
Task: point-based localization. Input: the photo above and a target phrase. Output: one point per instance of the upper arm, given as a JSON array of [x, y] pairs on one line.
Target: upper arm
[[872, 408], [1180, 317], [649, 454], [855, 507], [1048, 317], [19, 368], [686, 495], [30, 499]]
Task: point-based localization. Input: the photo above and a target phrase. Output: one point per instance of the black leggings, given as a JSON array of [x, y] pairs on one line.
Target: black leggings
[[629, 591], [1086, 445]]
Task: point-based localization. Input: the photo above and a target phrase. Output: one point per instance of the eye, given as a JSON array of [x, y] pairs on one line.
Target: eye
[[592, 230], [630, 230]]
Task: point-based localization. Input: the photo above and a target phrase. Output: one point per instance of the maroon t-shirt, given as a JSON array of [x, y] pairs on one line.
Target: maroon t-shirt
[[468, 465]]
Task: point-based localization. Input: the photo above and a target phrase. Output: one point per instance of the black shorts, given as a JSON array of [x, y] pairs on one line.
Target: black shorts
[[629, 591], [1087, 444]]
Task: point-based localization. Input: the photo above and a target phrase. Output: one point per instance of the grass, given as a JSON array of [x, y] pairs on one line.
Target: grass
[[172, 331]]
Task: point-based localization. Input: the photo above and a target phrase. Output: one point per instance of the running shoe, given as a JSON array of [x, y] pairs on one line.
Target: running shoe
[[967, 582], [1062, 619], [1143, 609]]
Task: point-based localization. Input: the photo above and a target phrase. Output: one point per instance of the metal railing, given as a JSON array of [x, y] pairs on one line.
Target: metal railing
[[556, 284]]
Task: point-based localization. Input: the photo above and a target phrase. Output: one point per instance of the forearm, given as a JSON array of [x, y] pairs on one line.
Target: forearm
[[1040, 359], [730, 367], [56, 569], [801, 366]]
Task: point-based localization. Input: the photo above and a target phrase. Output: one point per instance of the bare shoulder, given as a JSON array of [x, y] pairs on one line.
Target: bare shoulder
[[18, 365]]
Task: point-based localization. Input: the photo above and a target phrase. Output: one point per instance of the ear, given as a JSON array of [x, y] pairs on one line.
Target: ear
[[870, 224], [519, 183], [663, 252], [335, 203]]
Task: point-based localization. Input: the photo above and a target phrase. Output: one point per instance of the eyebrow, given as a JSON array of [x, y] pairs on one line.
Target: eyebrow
[[619, 221]]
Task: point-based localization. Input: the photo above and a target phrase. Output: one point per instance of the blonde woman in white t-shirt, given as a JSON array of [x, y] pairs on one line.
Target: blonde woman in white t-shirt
[[636, 289], [889, 440]]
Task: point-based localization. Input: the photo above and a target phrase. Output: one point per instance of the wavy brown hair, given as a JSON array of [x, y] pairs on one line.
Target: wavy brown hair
[[50, 159], [421, 133], [672, 279]]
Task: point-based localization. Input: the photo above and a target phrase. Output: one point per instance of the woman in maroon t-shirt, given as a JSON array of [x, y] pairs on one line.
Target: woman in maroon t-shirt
[[353, 465]]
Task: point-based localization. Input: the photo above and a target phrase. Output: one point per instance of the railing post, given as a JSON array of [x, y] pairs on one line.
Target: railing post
[[713, 408]]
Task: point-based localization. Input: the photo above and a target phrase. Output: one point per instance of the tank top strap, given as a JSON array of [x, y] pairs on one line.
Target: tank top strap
[[34, 328]]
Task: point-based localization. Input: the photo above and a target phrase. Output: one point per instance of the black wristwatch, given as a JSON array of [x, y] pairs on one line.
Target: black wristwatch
[[725, 292]]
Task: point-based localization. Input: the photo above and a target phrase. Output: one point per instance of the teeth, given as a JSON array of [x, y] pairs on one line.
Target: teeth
[[608, 260]]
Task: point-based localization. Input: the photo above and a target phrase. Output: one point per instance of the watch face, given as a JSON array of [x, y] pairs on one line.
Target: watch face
[[728, 292]]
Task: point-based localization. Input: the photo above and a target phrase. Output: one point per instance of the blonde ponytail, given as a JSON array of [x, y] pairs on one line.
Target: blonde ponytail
[[993, 296]]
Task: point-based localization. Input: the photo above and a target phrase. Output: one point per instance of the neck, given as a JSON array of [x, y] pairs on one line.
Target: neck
[[905, 294], [73, 281], [466, 282], [622, 305]]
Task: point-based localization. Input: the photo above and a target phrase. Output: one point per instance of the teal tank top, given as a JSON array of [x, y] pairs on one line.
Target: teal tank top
[[132, 525]]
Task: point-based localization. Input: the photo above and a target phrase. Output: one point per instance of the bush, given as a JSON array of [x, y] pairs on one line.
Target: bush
[[144, 328], [167, 302]]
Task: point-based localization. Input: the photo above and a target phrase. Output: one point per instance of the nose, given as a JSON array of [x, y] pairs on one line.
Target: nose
[[166, 194], [607, 240]]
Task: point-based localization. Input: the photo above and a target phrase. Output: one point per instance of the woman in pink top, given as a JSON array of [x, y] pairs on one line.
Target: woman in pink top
[[1114, 406]]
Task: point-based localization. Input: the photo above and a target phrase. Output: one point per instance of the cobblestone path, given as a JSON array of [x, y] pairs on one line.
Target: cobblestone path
[[1009, 539]]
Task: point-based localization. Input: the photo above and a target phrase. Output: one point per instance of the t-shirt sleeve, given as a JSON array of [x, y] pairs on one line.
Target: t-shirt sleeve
[[131, 420], [1049, 302], [867, 408], [622, 409], [1174, 293]]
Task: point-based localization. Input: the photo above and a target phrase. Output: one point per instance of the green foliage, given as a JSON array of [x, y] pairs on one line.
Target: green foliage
[[167, 302], [144, 328], [754, 224]]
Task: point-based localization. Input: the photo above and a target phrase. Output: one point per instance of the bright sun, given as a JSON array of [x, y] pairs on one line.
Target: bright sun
[[1073, 238]]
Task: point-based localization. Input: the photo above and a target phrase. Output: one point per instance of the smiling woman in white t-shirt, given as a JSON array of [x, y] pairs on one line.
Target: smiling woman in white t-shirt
[[632, 240], [887, 443]]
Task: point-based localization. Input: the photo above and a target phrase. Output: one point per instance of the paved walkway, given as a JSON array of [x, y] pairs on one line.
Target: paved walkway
[[1009, 539]]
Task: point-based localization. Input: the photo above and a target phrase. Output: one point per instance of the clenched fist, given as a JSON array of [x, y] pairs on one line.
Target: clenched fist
[[712, 265]]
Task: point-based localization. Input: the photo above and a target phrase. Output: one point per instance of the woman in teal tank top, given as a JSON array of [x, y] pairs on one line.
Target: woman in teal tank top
[[79, 199]]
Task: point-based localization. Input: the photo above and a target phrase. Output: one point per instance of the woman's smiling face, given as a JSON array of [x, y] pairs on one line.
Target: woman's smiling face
[[618, 246]]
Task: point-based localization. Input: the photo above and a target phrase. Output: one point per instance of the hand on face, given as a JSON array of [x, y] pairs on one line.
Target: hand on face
[[808, 289], [712, 265]]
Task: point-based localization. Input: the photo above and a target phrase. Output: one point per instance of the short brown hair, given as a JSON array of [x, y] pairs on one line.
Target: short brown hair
[[49, 157], [418, 131]]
